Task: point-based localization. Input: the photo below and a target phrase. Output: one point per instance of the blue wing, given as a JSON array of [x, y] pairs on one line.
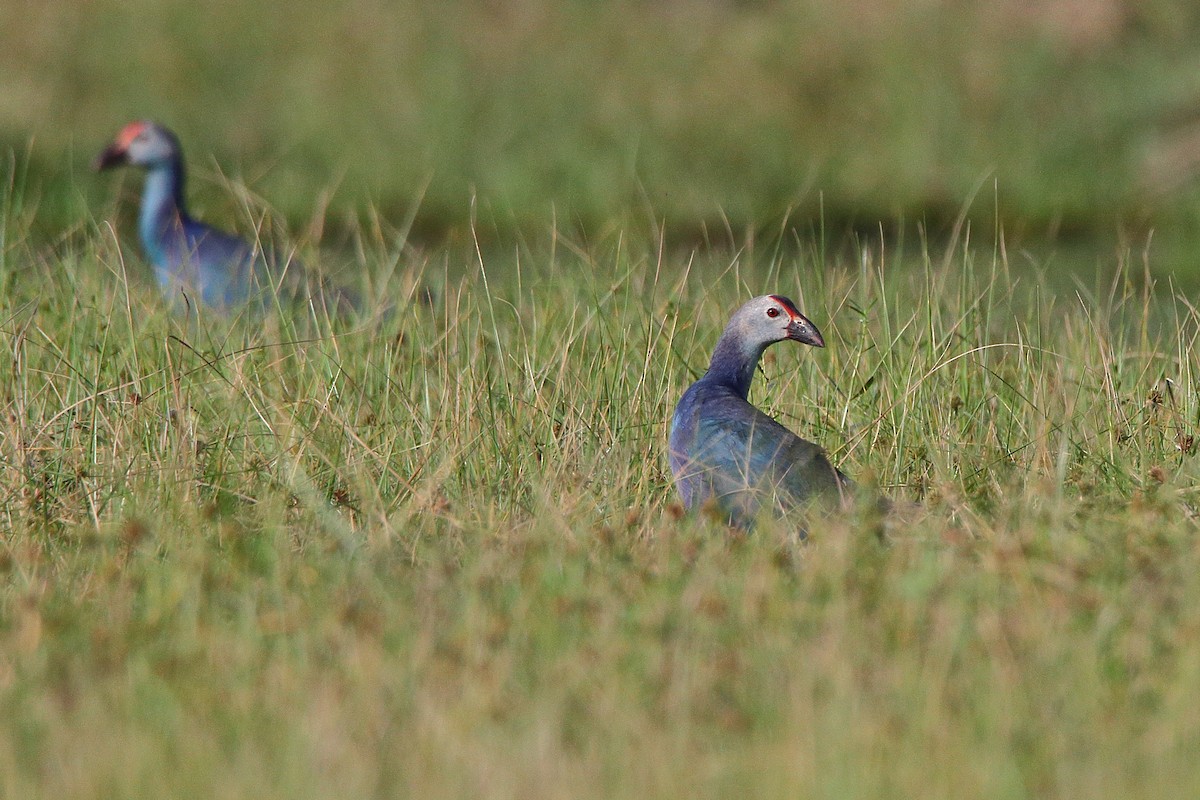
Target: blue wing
[[197, 259], [225, 271], [725, 450]]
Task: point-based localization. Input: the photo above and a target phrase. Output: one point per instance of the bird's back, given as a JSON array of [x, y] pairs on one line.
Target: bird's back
[[199, 260], [726, 451], [225, 271]]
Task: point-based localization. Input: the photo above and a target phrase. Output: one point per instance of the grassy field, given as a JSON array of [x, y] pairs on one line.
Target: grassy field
[[434, 551], [1081, 116], [436, 554]]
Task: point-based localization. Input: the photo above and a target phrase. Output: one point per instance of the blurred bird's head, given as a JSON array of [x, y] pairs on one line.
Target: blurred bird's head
[[142, 144], [774, 318]]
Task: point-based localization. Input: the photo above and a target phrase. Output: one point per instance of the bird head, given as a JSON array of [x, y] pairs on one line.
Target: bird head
[[774, 318], [142, 144]]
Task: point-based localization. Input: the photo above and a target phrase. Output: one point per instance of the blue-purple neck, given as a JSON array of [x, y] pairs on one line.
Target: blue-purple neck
[[733, 363], [162, 207]]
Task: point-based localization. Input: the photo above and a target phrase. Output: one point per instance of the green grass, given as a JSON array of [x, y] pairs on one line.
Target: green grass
[[1080, 115], [437, 554]]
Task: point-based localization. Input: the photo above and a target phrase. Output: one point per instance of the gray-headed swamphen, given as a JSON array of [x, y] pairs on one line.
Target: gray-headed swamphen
[[188, 256], [725, 451]]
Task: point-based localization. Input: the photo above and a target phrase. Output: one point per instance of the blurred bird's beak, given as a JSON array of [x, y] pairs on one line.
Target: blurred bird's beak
[[113, 155], [801, 329]]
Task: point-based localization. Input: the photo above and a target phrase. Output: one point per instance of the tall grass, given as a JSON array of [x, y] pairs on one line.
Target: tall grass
[[436, 552]]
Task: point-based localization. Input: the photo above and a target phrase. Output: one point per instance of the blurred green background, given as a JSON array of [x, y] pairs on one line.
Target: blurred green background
[[1061, 119]]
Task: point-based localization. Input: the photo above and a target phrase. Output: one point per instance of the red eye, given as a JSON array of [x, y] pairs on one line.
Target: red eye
[[772, 312]]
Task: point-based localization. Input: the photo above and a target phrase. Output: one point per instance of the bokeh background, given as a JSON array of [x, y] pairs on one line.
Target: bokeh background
[[1061, 120]]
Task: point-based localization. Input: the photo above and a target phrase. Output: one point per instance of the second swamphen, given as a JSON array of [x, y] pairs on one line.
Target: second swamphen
[[189, 256], [725, 451], [186, 254]]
